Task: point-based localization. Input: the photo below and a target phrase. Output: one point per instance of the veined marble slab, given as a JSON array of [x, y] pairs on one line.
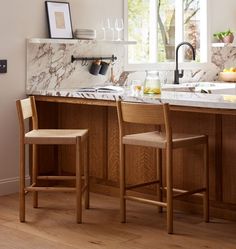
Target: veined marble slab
[[191, 99], [49, 65]]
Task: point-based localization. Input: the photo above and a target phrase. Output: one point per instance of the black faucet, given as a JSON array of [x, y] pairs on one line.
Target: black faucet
[[178, 74]]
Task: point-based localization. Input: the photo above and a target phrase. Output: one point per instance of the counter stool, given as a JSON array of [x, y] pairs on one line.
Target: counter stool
[[158, 114], [26, 108]]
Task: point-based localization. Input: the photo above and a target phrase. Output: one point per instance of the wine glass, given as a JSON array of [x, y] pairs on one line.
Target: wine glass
[[119, 26], [103, 27], [109, 30]]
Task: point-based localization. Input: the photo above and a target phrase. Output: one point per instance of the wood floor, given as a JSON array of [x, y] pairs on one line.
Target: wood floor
[[53, 226]]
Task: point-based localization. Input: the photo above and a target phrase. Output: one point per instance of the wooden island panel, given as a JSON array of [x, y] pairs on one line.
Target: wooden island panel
[[113, 146], [188, 162], [101, 120], [229, 159], [141, 160], [93, 119], [48, 154]]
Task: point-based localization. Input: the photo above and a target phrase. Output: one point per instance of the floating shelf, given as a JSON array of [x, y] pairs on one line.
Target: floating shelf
[[45, 40], [75, 41], [118, 42]]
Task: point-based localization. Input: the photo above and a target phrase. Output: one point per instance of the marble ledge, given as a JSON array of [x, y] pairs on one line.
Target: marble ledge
[[222, 45], [77, 41], [177, 98]]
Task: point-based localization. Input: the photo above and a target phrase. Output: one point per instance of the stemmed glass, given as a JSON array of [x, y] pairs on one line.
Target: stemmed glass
[[108, 30], [119, 26], [103, 26]]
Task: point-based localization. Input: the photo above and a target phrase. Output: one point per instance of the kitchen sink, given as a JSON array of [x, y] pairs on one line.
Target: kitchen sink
[[203, 87]]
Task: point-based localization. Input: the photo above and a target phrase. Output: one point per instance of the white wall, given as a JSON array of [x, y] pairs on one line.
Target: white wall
[[18, 20], [16, 23], [90, 13], [223, 15], [27, 18]]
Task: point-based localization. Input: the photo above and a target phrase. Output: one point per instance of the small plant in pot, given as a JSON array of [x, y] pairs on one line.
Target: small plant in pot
[[225, 36]]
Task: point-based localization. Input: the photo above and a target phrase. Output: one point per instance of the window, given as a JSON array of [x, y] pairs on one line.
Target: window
[[159, 25]]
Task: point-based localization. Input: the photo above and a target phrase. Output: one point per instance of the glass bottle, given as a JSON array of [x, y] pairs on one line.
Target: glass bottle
[[152, 83]]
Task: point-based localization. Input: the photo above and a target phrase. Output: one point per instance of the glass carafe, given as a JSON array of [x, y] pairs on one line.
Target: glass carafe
[[152, 83]]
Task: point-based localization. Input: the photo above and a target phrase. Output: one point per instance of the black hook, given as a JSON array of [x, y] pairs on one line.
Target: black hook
[[84, 61]]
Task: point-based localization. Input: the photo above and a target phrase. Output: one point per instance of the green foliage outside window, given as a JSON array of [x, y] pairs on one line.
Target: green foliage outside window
[[138, 29]]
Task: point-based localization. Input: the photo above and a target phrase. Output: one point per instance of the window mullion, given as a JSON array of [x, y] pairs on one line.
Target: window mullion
[[126, 36], [153, 31], [179, 25], [203, 31]]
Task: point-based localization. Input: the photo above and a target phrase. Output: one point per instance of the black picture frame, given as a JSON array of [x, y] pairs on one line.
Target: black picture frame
[[59, 20]]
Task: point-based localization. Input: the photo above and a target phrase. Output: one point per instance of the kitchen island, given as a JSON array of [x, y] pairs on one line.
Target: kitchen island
[[192, 112]]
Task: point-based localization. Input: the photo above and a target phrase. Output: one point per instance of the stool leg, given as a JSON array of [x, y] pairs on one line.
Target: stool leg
[[34, 174], [86, 175], [22, 182], [159, 176], [122, 184], [206, 183], [169, 182], [78, 180]]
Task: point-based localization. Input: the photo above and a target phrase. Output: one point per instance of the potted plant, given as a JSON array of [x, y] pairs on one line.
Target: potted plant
[[225, 36]]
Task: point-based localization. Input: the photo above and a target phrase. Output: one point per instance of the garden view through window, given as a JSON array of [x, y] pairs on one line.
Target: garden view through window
[[158, 25]]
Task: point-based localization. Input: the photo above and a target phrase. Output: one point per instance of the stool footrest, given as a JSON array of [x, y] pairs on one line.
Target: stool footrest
[[146, 201], [184, 193], [141, 184], [57, 178], [51, 189], [27, 191]]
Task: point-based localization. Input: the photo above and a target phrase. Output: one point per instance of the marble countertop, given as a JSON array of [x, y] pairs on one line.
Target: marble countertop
[[201, 94]]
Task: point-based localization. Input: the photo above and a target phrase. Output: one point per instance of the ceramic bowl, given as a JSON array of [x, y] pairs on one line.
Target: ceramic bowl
[[228, 76]]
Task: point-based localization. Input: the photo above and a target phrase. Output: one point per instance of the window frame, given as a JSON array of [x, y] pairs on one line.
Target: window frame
[[206, 53]]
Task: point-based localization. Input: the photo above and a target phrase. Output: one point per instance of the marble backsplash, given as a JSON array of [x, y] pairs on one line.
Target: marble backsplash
[[49, 65], [224, 57]]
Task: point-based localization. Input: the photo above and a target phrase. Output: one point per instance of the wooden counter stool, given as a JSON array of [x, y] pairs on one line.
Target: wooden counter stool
[[158, 114], [26, 108]]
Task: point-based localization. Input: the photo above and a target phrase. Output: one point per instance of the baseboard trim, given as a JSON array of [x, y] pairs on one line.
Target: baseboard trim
[[11, 185]]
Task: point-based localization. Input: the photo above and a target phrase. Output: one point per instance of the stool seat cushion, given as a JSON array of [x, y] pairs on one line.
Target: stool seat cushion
[[158, 139], [54, 136]]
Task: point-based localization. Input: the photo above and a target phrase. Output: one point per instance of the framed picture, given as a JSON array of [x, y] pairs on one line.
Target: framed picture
[[59, 19]]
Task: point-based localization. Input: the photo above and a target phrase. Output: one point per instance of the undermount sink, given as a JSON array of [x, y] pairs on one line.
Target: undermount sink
[[203, 87]]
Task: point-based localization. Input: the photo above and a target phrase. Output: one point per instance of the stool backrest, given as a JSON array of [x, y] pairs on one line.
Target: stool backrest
[[142, 113], [26, 108]]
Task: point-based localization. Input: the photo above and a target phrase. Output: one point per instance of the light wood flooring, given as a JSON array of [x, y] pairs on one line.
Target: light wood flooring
[[52, 226]]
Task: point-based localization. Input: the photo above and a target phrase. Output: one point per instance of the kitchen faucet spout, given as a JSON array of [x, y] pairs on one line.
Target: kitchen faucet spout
[[178, 74]]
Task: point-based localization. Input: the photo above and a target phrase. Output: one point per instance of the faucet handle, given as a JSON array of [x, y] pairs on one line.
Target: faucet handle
[[181, 74]]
